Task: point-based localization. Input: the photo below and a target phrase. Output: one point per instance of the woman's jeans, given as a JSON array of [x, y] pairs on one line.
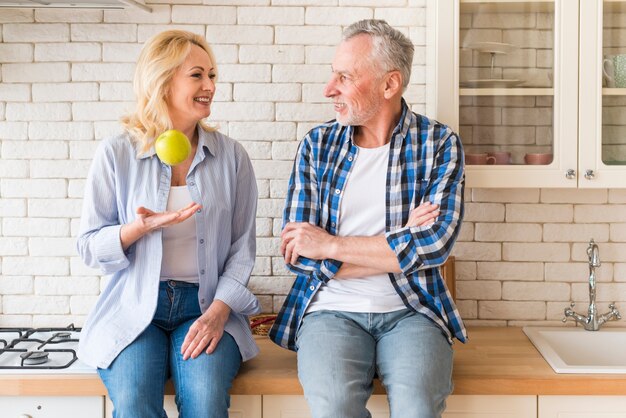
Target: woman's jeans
[[339, 352], [136, 378]]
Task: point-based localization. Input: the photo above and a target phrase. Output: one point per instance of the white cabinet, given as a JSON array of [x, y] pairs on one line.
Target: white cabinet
[[491, 406], [241, 406], [458, 406], [523, 81], [582, 406], [295, 406], [245, 406], [51, 406]]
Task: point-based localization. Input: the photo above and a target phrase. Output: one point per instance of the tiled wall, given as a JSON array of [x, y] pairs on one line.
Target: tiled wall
[[521, 256], [66, 78]]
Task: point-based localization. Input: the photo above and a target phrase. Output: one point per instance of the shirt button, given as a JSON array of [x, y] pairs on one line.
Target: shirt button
[[191, 183], [350, 158], [333, 224], [201, 241], [337, 191], [199, 210], [312, 287], [202, 271], [202, 301]]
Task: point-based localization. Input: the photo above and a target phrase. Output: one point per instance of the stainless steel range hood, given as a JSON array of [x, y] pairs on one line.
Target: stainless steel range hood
[[76, 4]]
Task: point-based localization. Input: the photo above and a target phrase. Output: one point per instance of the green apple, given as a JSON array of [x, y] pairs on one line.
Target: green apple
[[172, 147]]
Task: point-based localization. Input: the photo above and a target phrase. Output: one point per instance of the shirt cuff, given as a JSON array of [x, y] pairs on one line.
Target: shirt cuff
[[401, 242], [329, 268], [237, 297], [109, 251]]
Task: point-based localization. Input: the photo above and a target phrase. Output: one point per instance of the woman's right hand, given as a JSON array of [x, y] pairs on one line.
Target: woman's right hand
[[148, 220]]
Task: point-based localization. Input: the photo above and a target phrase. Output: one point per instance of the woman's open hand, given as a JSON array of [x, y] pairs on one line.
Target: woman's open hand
[[207, 331], [148, 220], [151, 220]]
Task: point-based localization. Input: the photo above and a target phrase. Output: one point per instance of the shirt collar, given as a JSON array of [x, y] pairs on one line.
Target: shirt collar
[[404, 123], [206, 141]]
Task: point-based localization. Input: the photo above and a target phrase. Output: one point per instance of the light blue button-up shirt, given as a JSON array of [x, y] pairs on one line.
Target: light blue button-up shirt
[[120, 180]]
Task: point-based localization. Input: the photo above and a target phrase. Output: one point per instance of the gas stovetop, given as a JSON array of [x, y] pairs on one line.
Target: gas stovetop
[[40, 351]]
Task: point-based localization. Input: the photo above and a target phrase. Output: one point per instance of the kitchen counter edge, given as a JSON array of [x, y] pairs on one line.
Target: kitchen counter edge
[[495, 361]]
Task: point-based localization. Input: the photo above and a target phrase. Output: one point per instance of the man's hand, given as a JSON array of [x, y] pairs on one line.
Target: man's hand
[[207, 331], [305, 239], [424, 214]]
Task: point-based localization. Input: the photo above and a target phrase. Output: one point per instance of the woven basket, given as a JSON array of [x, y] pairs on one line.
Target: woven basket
[[261, 324]]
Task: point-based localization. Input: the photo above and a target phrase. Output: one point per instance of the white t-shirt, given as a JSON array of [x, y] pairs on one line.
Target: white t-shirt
[[180, 249], [362, 213]]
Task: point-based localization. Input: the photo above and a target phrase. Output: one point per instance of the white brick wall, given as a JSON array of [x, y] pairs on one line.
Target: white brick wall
[[530, 244], [66, 77]]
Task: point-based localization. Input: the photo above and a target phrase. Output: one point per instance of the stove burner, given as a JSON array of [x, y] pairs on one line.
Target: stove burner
[[34, 357], [33, 348]]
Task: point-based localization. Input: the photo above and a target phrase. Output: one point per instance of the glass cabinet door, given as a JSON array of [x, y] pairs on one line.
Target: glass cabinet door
[[516, 91], [506, 105], [602, 121], [614, 83]]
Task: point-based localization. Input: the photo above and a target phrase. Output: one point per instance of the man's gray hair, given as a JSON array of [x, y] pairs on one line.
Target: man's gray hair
[[391, 49]]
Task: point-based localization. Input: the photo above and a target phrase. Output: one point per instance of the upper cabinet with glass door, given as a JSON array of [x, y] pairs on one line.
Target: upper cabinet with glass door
[[602, 127], [508, 82]]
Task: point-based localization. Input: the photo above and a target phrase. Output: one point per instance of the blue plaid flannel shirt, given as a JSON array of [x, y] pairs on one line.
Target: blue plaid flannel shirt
[[425, 164]]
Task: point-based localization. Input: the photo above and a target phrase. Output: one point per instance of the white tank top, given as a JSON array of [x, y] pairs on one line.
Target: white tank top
[[180, 248], [362, 213]]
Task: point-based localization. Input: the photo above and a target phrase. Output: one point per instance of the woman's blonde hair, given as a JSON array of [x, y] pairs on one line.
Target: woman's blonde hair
[[160, 58]]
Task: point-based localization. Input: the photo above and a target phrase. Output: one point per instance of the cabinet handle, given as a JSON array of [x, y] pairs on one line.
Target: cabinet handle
[[570, 174], [590, 175]]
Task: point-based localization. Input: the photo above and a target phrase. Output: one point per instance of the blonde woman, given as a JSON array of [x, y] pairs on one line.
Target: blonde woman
[[177, 242]]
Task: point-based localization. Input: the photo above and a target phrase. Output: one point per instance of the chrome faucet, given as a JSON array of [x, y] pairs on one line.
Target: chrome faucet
[[593, 321]]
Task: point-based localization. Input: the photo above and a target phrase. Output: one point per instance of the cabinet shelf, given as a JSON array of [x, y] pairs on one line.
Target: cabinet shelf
[[614, 91], [508, 5], [509, 92], [514, 1]]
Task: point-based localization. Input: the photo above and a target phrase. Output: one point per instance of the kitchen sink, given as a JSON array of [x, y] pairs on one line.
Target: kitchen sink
[[575, 350]]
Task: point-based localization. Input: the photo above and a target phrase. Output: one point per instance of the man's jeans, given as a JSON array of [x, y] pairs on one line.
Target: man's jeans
[[136, 378], [339, 352]]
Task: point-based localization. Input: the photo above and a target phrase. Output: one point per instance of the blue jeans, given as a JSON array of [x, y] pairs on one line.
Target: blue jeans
[[136, 378], [339, 353]]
